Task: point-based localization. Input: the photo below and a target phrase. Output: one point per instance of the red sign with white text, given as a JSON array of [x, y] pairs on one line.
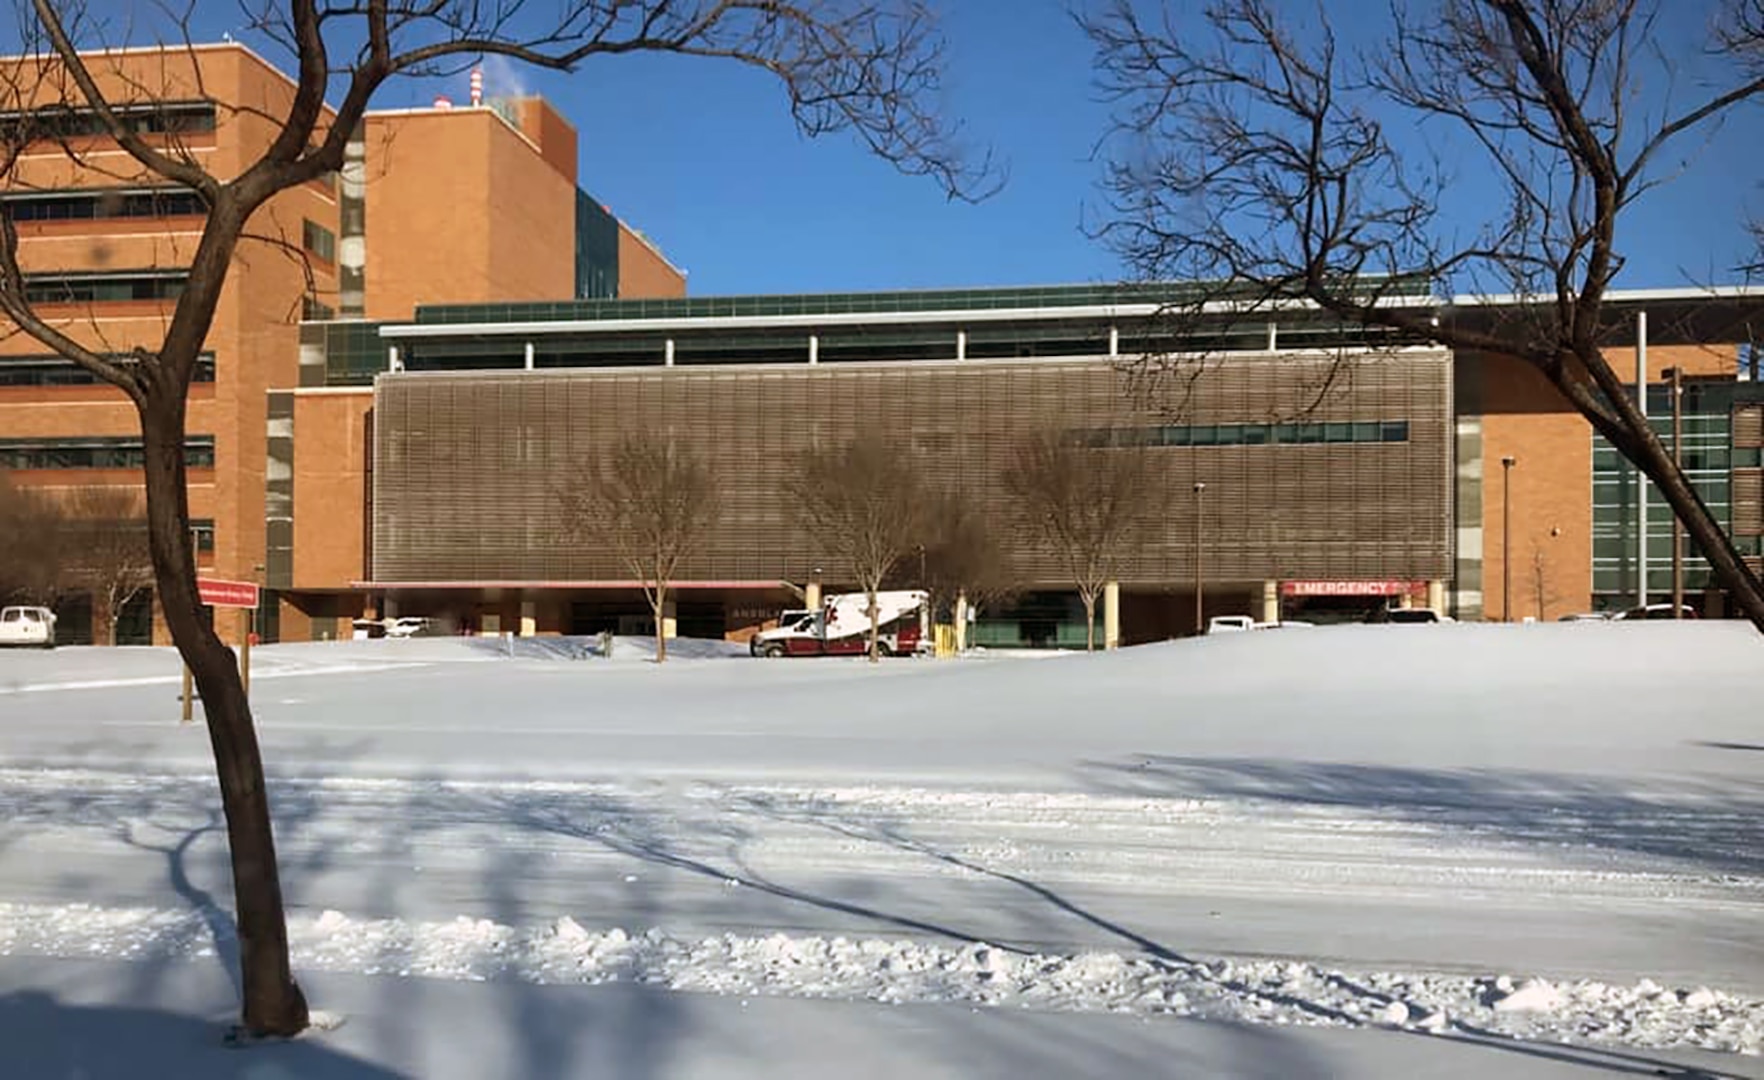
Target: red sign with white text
[[1352, 588], [217, 593]]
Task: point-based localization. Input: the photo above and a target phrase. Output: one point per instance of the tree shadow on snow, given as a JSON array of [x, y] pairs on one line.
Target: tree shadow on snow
[[1718, 828], [50, 1039]]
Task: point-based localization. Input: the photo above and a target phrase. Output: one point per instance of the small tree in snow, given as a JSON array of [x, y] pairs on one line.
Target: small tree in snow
[[863, 504], [652, 503], [107, 549], [1088, 504], [31, 569], [963, 555]]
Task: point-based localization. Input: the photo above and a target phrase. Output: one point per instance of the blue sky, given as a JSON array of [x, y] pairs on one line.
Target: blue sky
[[703, 157]]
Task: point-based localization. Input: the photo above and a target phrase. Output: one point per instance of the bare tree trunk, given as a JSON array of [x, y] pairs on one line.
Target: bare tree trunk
[[875, 627], [1089, 620], [273, 1003], [660, 605], [111, 614]]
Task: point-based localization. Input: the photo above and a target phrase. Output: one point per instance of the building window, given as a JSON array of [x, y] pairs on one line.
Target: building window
[[1386, 431], [313, 309], [64, 122], [95, 453], [94, 205], [318, 240], [202, 531], [57, 371], [95, 288]]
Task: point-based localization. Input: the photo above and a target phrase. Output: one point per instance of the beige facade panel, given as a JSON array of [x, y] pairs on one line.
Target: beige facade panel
[[466, 465], [1748, 502], [1748, 426]]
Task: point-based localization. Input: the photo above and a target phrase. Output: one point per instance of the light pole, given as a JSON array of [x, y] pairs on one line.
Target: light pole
[[1676, 385], [1200, 488], [1507, 464]]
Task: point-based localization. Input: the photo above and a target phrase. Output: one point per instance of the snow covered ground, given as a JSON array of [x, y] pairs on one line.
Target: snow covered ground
[[1503, 838]]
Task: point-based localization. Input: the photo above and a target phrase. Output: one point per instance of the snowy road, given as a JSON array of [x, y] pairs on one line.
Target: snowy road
[[1361, 804]]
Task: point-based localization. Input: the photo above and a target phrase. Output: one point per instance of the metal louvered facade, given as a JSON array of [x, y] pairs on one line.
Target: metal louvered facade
[[466, 463]]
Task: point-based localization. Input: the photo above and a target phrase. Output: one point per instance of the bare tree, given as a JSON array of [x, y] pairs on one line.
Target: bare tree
[[1249, 152], [106, 547], [31, 570], [864, 505], [869, 69], [1090, 504], [653, 504], [962, 554]]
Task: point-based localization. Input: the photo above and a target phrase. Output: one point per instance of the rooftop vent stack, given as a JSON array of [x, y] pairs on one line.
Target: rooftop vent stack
[[477, 87]]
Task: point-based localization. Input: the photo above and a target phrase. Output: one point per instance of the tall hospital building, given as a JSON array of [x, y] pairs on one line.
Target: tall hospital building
[[386, 435]]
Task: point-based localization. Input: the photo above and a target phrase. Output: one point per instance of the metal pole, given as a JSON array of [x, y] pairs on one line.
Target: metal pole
[[1641, 478], [1507, 464], [1200, 623], [1677, 375], [189, 691]]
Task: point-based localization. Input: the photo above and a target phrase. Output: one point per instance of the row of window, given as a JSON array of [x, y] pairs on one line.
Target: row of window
[[91, 205], [1375, 431], [80, 288], [61, 122], [95, 453], [55, 371]]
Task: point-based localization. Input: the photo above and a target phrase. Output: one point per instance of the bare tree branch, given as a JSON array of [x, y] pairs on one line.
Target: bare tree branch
[[862, 503], [1090, 504], [1247, 152], [650, 501]]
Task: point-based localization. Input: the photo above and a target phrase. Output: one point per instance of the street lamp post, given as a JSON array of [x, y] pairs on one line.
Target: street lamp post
[[1507, 464], [1200, 488], [1676, 385]]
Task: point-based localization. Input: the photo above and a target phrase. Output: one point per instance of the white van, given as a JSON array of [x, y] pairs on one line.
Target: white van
[[27, 626]]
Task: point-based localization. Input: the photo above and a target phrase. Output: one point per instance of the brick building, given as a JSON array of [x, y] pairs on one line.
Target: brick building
[[1343, 470], [476, 203], [374, 427]]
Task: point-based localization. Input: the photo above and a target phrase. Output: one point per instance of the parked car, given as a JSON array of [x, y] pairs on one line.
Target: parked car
[[1219, 624], [1587, 616], [1408, 616], [27, 626], [1659, 611]]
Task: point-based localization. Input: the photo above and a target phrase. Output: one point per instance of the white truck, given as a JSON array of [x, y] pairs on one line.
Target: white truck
[[27, 626], [842, 627]]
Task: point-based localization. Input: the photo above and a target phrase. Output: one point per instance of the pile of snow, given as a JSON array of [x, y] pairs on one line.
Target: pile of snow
[[904, 971]]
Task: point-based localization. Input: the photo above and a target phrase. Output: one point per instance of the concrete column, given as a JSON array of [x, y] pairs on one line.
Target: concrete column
[[961, 623], [814, 349], [1436, 595], [392, 358], [1270, 601], [961, 344], [1114, 341], [670, 626], [1641, 478], [1273, 337], [811, 596], [529, 356], [1112, 615], [529, 618], [668, 353]]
